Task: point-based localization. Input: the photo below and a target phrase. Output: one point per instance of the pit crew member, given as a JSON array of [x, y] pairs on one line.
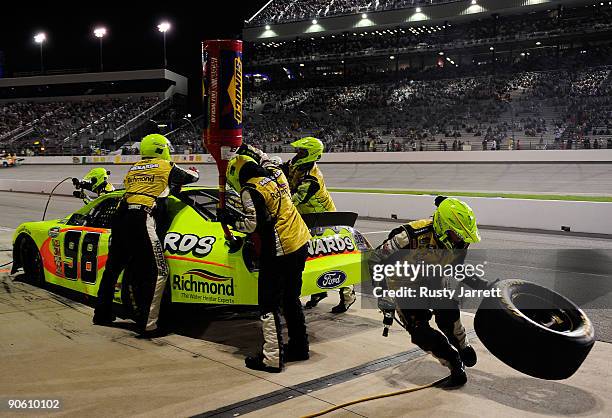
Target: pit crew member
[[96, 181], [270, 214], [453, 227], [310, 195], [134, 240]]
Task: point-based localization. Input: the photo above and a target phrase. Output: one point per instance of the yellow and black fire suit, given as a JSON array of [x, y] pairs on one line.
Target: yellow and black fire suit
[[134, 239], [309, 195], [284, 236], [416, 242], [308, 191]]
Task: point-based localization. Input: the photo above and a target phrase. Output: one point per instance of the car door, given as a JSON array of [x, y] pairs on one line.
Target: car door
[[202, 267], [84, 248]]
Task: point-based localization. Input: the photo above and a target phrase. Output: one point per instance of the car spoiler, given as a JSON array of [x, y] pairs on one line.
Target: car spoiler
[[323, 219]]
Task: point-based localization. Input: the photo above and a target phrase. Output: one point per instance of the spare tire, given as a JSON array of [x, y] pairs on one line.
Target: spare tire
[[534, 330]]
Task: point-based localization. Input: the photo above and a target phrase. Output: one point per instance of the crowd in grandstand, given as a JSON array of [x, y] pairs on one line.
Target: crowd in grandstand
[[534, 108], [60, 125]]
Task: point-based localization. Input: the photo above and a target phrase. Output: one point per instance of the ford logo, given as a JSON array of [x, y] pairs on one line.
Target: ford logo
[[331, 279]]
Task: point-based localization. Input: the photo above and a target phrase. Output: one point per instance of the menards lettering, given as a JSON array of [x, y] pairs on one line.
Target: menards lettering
[[143, 167], [318, 247], [176, 243]]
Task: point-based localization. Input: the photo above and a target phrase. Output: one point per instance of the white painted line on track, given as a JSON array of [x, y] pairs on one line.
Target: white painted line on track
[[6, 229]]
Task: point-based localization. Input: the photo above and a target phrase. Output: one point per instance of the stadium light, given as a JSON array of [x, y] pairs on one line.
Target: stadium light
[[538, 43], [392, 57], [364, 15], [418, 10], [100, 33], [441, 53], [40, 39], [164, 27], [315, 21], [473, 2], [267, 27], [492, 49]]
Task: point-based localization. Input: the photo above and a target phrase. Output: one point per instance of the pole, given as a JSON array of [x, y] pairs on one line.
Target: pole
[[101, 59], [42, 68], [222, 99], [165, 60]]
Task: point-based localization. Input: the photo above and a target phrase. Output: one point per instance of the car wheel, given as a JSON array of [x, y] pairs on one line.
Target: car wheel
[[534, 330], [31, 261]]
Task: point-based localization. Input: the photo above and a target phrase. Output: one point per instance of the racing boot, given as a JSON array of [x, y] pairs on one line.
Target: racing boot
[[103, 318], [257, 363], [347, 298], [468, 356], [315, 299], [457, 377]]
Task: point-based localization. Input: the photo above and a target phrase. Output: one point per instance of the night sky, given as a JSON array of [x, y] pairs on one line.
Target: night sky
[[133, 41]]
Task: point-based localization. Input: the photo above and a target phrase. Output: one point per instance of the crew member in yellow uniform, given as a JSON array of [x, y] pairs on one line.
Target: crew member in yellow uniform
[[310, 195], [96, 180], [134, 239], [284, 236], [442, 240]]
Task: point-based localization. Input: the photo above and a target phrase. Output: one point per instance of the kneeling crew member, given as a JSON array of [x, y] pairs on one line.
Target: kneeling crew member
[[284, 236], [134, 240], [453, 228], [310, 195]]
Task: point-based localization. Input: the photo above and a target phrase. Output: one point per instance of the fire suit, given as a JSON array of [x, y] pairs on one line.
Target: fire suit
[[284, 236], [419, 237], [134, 240], [309, 195]]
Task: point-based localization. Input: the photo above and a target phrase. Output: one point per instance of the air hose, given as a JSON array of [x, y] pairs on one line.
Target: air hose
[[51, 195], [371, 398]]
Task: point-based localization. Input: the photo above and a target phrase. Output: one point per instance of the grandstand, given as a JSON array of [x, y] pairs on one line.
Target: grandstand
[[501, 77], [83, 113]]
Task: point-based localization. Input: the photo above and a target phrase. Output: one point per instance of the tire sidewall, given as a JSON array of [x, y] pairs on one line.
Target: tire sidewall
[[31, 260]]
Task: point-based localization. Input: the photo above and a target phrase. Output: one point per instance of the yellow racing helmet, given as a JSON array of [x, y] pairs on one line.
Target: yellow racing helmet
[[155, 146], [234, 167], [455, 218], [309, 150]]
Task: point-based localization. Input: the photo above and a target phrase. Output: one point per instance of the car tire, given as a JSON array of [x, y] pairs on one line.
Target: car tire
[[534, 330], [31, 261]]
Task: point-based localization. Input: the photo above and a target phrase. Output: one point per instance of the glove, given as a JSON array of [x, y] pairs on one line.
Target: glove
[[226, 216], [76, 182]]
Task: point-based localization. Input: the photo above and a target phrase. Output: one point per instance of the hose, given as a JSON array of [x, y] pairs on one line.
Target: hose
[[6, 264], [371, 398], [51, 195]]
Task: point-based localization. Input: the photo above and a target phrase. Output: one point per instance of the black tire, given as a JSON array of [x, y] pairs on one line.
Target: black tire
[[534, 330], [31, 261]]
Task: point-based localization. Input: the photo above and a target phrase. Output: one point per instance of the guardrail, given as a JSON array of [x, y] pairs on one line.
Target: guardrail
[[429, 157]]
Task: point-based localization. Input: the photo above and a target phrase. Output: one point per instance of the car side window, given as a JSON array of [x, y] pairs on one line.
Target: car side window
[[101, 216]]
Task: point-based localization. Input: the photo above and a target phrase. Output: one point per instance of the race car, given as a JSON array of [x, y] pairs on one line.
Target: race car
[[72, 252], [9, 161]]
